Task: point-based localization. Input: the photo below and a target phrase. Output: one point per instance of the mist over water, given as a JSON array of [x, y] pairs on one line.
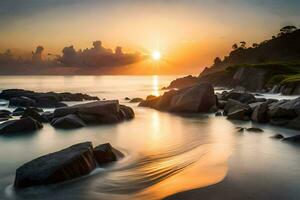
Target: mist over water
[[164, 153]]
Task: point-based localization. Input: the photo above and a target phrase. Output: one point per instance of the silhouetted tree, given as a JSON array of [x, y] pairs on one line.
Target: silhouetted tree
[[235, 46], [217, 61], [255, 45], [243, 44]]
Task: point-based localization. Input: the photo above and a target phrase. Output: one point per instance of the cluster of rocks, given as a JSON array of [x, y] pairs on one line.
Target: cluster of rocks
[[194, 99], [245, 106], [72, 162], [27, 98], [287, 89], [97, 112]]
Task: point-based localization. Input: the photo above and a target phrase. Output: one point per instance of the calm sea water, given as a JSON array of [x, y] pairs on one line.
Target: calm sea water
[[165, 153]]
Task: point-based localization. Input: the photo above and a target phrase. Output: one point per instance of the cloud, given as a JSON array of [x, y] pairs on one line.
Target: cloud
[[95, 59]]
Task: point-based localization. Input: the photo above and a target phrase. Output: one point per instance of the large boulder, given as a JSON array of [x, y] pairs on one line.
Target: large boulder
[[19, 126], [69, 121], [260, 113], [198, 98], [98, 112], [67, 164], [105, 153]]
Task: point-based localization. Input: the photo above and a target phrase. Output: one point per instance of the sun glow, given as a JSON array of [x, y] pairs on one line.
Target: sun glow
[[156, 55]]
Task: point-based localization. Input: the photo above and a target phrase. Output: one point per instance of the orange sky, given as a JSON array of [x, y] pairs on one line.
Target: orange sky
[[189, 33]]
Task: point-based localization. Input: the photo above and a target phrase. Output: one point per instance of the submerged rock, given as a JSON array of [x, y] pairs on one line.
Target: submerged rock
[[69, 121], [277, 136], [136, 100], [67, 164], [253, 129], [293, 139], [23, 125], [105, 153]]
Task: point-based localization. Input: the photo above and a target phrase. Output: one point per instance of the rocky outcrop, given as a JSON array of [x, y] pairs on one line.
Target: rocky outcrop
[[98, 112], [19, 126], [195, 99], [26, 98], [183, 82], [72, 162], [69, 121]]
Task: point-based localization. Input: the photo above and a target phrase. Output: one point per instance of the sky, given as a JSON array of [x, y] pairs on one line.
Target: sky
[[188, 33]]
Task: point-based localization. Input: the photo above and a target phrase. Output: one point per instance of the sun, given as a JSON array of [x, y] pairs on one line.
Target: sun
[[156, 55]]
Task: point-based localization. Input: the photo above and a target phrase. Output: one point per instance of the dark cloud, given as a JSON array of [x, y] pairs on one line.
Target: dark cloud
[[90, 60]]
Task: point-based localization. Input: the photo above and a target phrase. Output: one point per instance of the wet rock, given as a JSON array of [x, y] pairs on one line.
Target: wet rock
[[293, 139], [98, 112], [240, 129], [218, 114], [285, 109], [136, 100], [241, 114], [277, 136], [198, 98], [19, 126], [31, 112], [67, 164], [18, 111], [48, 116], [105, 153], [127, 98], [22, 102], [70, 121], [5, 112], [232, 106], [294, 124], [221, 104], [253, 129], [260, 113], [240, 96], [279, 121]]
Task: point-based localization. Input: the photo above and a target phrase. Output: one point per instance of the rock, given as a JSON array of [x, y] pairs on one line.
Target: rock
[[183, 82], [22, 102], [241, 97], [221, 104], [5, 111], [19, 126], [240, 129], [293, 139], [70, 121], [240, 114], [48, 116], [285, 109], [261, 99], [105, 153], [260, 113], [275, 89], [25, 98], [18, 111], [98, 112], [233, 106], [277, 136], [31, 112], [136, 100], [127, 98], [198, 98], [67, 164], [294, 124], [218, 114], [279, 121], [150, 97], [253, 129]]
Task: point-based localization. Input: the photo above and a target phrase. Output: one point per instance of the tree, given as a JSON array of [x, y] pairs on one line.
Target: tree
[[217, 61], [235, 46], [287, 30], [243, 44], [255, 45]]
